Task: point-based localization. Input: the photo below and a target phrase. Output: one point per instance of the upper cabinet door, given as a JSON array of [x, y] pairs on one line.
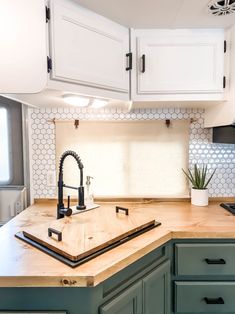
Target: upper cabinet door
[[179, 61], [87, 48], [23, 62]]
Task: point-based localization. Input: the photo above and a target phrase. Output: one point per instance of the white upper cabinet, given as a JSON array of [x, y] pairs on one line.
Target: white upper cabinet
[[23, 62], [87, 48], [178, 64], [223, 113], [92, 55]]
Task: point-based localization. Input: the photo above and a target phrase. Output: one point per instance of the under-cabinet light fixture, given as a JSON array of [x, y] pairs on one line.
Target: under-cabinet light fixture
[[99, 103], [75, 100]]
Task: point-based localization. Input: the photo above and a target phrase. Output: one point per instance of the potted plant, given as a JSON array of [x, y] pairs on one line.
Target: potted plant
[[199, 180]]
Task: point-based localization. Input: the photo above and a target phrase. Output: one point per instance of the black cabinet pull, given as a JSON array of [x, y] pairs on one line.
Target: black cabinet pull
[[58, 233], [143, 63], [126, 210], [219, 261], [214, 300], [129, 56]]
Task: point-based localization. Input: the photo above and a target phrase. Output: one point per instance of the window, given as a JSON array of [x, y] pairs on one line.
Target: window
[[11, 143], [5, 158]]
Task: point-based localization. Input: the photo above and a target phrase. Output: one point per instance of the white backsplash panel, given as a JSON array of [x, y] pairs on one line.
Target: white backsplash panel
[[201, 148]]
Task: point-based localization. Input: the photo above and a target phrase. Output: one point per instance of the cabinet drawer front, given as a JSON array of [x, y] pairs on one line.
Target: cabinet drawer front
[[204, 259], [206, 297]]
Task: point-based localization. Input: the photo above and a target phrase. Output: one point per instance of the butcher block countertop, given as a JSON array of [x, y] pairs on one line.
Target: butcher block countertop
[[22, 265]]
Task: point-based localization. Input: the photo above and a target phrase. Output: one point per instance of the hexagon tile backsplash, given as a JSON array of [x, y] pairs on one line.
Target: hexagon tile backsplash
[[201, 148]]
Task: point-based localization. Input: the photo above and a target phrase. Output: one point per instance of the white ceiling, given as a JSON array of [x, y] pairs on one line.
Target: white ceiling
[[159, 13]]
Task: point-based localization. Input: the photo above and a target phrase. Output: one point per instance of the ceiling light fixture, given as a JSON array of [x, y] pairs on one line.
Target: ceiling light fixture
[[76, 100], [99, 103]]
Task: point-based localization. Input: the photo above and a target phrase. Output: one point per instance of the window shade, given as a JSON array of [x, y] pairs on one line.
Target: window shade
[[127, 159]]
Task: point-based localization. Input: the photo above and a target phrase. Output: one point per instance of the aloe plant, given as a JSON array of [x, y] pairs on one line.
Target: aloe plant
[[198, 177]]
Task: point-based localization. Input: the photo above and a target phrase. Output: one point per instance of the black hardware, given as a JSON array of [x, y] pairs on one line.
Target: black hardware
[[143, 63], [129, 56], [76, 123], [49, 64], [66, 212], [61, 211], [126, 210], [58, 233], [48, 14], [225, 46], [168, 123], [214, 300], [81, 205], [229, 206], [224, 82], [68, 205], [219, 261], [70, 187]]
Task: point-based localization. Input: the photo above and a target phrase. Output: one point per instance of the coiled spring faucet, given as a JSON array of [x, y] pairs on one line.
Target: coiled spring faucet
[[61, 210]]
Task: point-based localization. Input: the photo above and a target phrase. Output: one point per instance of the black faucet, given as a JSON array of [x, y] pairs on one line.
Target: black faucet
[[61, 210]]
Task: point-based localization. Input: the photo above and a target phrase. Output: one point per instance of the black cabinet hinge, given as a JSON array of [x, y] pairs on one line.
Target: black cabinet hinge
[[225, 46], [49, 64], [224, 82], [48, 14]]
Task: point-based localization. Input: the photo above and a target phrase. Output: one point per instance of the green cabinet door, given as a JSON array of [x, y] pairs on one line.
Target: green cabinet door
[[156, 290], [128, 302]]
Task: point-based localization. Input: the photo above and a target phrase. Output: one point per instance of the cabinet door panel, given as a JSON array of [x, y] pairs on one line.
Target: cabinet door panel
[[156, 290], [87, 48], [181, 62], [23, 62], [128, 302]]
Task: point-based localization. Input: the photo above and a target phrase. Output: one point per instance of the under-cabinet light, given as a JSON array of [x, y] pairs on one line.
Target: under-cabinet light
[[99, 103], [75, 100]]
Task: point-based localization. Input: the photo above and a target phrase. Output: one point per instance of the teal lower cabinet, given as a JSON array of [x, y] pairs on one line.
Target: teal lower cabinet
[[127, 302], [204, 297], [150, 295], [156, 290], [203, 280], [143, 287]]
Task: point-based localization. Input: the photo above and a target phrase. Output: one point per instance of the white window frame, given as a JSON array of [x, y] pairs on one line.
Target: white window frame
[[9, 148]]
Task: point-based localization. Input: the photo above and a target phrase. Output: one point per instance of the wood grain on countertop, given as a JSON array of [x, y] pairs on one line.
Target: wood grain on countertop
[[22, 265]]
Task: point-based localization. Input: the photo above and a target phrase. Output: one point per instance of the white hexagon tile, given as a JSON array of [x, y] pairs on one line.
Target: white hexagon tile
[[201, 148]]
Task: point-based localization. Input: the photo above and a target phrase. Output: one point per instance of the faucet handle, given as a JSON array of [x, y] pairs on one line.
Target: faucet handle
[[68, 202], [67, 211]]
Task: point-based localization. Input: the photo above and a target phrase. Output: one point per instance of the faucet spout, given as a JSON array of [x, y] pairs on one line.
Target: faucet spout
[[61, 211]]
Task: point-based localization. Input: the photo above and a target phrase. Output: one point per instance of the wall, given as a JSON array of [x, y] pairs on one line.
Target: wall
[[201, 150]]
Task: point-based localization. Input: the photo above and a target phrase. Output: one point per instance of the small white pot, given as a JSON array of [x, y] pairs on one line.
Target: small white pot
[[199, 197]]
